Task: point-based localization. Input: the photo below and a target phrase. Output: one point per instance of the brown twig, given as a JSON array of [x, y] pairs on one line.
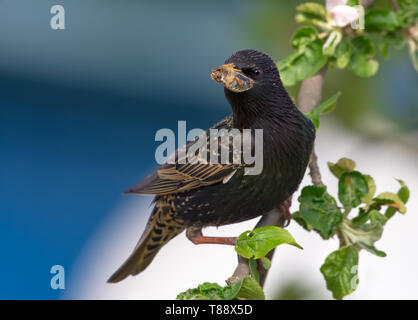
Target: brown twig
[[314, 171]]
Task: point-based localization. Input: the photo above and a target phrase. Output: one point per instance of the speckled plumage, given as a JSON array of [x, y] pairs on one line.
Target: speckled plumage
[[200, 195]]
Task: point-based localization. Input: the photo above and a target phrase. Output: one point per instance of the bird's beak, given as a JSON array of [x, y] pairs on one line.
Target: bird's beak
[[233, 79]]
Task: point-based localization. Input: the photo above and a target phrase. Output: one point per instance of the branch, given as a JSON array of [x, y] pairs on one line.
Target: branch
[[310, 95]]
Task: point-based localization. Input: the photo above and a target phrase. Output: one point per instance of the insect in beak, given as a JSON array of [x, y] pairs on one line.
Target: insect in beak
[[232, 78]]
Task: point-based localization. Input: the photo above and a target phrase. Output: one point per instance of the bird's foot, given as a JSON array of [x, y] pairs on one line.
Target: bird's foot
[[285, 211], [195, 235]]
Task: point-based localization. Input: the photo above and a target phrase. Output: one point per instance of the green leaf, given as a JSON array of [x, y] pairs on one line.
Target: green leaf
[[363, 46], [257, 243], [392, 200], [297, 216], [304, 63], [253, 265], [266, 263], [303, 36], [248, 288], [342, 165], [362, 66], [353, 3], [403, 192], [314, 14], [340, 271], [352, 186], [366, 235], [251, 290], [312, 9], [373, 216], [211, 291], [377, 20], [372, 189], [408, 13], [343, 54], [319, 210], [324, 107], [394, 39], [362, 62]]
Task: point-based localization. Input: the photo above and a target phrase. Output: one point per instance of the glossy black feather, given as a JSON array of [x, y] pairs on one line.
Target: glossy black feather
[[225, 196]]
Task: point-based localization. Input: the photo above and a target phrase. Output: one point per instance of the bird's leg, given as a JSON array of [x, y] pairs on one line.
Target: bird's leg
[[194, 234], [285, 211]]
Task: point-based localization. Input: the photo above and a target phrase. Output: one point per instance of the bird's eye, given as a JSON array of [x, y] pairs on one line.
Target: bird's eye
[[252, 72]]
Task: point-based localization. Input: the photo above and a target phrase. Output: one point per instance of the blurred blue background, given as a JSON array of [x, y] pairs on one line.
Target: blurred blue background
[[79, 109]]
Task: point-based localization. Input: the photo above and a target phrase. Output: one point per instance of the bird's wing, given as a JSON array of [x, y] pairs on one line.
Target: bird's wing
[[180, 177]]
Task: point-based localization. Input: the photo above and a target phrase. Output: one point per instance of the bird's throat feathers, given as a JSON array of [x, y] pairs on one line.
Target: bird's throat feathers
[[257, 107], [286, 131]]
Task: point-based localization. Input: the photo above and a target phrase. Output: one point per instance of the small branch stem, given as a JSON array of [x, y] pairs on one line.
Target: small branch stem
[[314, 171], [310, 95]]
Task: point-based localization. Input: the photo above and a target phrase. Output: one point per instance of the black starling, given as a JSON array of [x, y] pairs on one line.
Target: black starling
[[193, 195]]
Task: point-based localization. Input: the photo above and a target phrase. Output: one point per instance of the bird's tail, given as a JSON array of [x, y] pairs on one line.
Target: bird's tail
[[160, 229]]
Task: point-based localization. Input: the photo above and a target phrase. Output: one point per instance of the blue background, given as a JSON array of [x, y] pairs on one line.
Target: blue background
[[79, 109]]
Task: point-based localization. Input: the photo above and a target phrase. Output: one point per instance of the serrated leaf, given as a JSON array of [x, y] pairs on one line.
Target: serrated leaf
[[324, 107], [319, 210], [257, 243], [340, 271], [352, 187]]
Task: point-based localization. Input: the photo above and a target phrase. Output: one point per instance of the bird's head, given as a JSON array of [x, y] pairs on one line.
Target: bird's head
[[252, 85], [247, 70]]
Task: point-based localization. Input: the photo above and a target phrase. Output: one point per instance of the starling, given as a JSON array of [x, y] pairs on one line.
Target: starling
[[191, 195]]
